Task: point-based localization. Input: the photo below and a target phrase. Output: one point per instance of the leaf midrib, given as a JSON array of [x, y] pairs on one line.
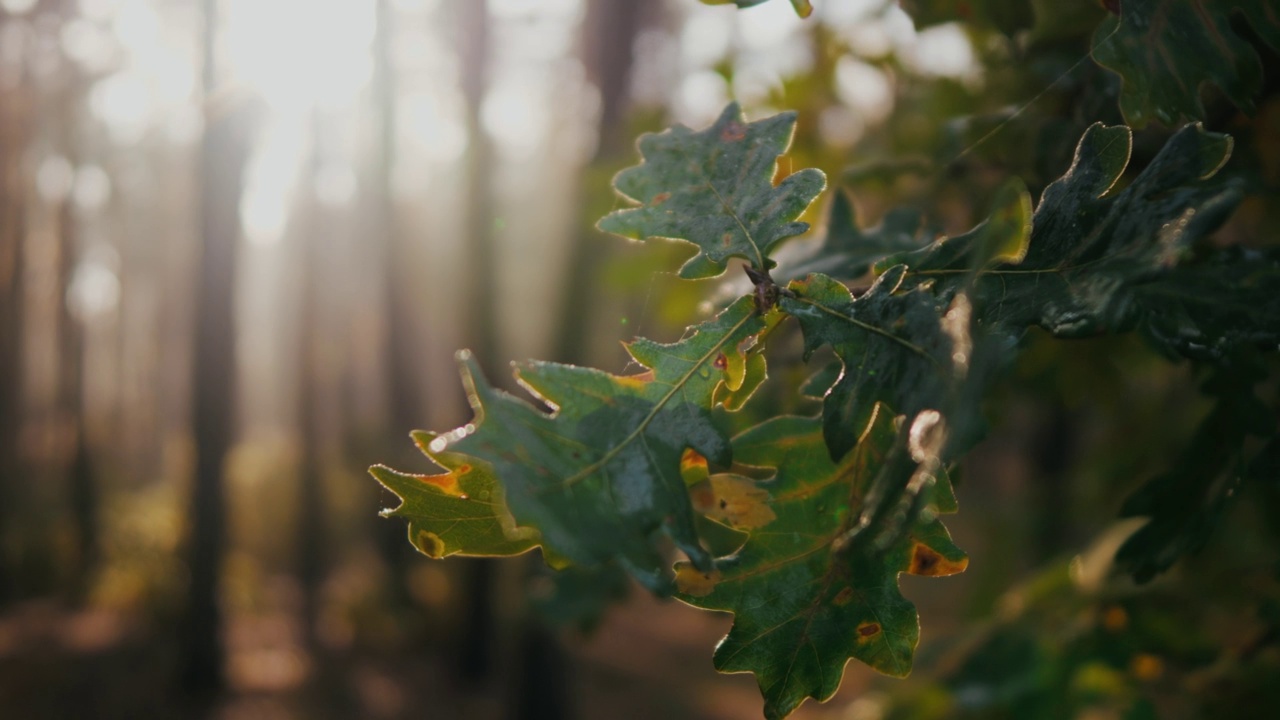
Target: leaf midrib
[[605, 459]]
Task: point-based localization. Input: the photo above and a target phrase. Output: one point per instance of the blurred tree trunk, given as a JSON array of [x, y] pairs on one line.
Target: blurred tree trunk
[[608, 38], [1053, 446], [14, 128], [311, 506], [608, 41], [82, 492], [224, 149], [403, 400], [480, 312], [78, 473]]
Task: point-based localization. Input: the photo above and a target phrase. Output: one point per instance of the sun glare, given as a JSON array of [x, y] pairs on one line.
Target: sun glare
[[298, 54]]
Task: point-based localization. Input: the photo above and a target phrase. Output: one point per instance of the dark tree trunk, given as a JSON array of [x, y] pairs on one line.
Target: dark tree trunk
[[224, 149], [543, 688], [402, 366], [14, 125], [82, 491], [479, 625], [609, 35], [1054, 444], [311, 505]]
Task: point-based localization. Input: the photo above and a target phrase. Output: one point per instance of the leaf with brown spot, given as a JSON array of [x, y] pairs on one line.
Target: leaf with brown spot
[[717, 191], [739, 502], [804, 601], [459, 511], [602, 476]]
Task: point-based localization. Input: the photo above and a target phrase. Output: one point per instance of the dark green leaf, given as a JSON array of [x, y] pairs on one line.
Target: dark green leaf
[[804, 599], [1215, 310], [1089, 251], [1166, 49], [714, 188], [847, 252], [893, 345], [600, 475]]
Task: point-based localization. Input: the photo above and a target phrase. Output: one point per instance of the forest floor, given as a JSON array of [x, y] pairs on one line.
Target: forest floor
[[649, 659]]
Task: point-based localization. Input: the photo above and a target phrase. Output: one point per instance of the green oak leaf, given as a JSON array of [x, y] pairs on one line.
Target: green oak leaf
[[714, 188], [804, 600], [599, 476], [803, 7], [1088, 250], [1214, 310], [848, 252], [457, 512], [893, 345], [1166, 49]]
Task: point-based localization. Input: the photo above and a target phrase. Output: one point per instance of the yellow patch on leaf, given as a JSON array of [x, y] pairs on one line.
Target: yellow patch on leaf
[[693, 468], [635, 382], [740, 503], [429, 544], [692, 581]]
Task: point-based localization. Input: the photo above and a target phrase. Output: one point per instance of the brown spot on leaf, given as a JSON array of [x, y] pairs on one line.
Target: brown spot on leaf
[[843, 597], [733, 132], [659, 199], [721, 362], [928, 562], [429, 544], [726, 239], [868, 630], [463, 469]]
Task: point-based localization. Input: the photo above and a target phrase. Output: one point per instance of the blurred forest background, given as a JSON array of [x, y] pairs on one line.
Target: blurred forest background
[[241, 240]]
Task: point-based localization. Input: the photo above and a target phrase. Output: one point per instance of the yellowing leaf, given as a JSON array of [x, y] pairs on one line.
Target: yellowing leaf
[[600, 476], [805, 599]]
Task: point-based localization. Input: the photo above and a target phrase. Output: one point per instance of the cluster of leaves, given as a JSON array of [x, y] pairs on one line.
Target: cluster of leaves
[[801, 526]]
